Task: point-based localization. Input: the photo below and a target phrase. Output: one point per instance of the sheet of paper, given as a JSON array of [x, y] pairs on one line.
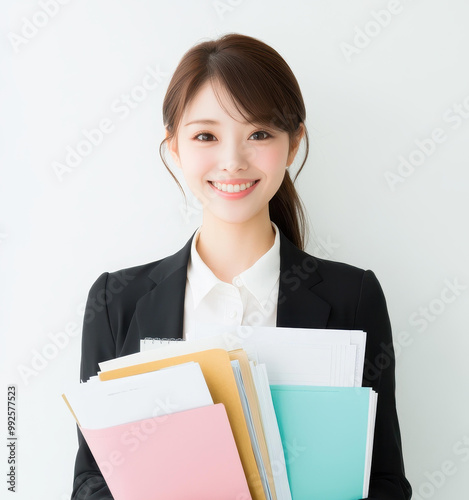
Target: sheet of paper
[[104, 404], [250, 424], [350, 371], [273, 439], [345, 348], [369, 448], [358, 338], [297, 365], [244, 333], [336, 356], [162, 351]]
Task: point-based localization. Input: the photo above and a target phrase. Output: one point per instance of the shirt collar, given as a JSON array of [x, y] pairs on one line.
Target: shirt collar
[[259, 279]]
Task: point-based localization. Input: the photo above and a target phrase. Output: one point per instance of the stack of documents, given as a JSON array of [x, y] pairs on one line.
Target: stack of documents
[[160, 435], [279, 413], [222, 383], [292, 355]]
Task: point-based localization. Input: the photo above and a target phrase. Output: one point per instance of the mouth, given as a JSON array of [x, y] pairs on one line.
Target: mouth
[[233, 188]]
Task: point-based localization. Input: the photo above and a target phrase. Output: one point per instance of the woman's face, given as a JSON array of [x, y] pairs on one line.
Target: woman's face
[[232, 167]]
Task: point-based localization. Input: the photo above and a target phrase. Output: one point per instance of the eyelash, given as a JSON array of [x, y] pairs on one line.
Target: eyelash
[[257, 132]]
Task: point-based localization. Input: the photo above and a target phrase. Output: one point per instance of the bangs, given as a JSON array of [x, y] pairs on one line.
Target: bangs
[[255, 93]]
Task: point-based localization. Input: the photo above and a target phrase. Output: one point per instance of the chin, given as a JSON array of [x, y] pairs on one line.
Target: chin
[[233, 218]]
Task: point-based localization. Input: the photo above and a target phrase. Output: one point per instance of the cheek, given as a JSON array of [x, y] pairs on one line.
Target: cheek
[[273, 160], [197, 162]]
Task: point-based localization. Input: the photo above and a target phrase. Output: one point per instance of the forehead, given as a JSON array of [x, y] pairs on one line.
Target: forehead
[[205, 104]]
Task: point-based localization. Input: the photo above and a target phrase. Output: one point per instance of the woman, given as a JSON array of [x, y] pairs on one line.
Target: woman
[[234, 119]]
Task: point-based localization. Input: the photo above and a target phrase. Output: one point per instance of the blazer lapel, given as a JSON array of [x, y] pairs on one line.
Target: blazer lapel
[[298, 306], [160, 313]]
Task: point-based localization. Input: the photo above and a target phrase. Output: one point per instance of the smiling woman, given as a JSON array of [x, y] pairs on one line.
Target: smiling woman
[[235, 168], [248, 134], [235, 118]]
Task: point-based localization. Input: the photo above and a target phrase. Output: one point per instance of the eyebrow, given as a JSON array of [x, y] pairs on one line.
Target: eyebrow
[[207, 121]]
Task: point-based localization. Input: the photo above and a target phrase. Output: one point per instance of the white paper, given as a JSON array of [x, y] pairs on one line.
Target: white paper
[[162, 351], [102, 404], [293, 355], [250, 425], [271, 430], [369, 442], [298, 356]]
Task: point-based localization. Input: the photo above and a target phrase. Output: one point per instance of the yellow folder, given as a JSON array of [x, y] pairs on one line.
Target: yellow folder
[[216, 367]]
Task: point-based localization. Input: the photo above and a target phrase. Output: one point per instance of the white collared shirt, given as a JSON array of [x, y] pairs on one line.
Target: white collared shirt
[[251, 298]]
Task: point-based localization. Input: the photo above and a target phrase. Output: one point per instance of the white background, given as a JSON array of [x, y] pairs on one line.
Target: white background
[[120, 207]]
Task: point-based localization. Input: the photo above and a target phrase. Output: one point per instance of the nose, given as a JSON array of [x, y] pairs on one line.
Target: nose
[[235, 157], [233, 166]]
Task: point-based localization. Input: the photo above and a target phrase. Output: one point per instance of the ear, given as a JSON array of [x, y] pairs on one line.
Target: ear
[[172, 146], [296, 144]]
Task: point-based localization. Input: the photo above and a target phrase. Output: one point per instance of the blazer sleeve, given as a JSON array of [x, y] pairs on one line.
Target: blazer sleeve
[[98, 344], [387, 481]]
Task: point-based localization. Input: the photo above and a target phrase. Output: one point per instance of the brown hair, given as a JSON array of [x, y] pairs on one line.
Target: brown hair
[[263, 89]]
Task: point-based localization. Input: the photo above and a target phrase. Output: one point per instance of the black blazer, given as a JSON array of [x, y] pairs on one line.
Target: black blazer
[[148, 301]]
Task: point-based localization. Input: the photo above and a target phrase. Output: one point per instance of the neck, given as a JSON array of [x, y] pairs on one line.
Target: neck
[[230, 248]]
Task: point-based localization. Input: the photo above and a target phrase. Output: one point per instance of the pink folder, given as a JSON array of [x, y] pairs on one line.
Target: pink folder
[[190, 454]]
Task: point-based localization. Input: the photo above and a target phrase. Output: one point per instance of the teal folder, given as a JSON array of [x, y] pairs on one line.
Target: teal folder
[[324, 432]]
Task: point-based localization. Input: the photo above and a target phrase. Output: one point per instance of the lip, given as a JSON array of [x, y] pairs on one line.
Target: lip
[[239, 194], [234, 181]]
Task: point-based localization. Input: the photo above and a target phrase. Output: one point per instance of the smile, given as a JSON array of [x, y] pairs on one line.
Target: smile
[[233, 191], [232, 188]]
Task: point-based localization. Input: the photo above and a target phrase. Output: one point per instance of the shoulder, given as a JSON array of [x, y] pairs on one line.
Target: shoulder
[[342, 283], [346, 276], [316, 270], [331, 273], [124, 287], [332, 269]]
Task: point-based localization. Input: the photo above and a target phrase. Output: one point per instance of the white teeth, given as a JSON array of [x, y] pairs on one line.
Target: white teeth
[[232, 188]]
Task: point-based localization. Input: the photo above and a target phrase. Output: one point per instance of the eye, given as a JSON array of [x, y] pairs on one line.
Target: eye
[[267, 135], [204, 134], [207, 134]]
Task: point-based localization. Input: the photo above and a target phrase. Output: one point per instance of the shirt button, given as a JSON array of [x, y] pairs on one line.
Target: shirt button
[[238, 282], [233, 314]]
